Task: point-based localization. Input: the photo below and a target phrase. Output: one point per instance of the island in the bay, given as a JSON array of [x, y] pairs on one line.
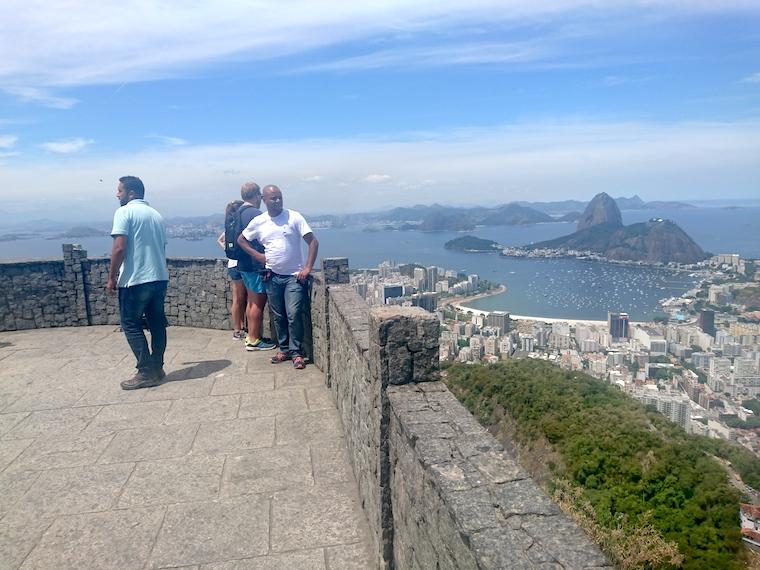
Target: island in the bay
[[472, 244]]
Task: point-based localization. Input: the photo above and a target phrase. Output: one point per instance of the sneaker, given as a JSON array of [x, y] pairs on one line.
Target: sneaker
[[160, 374], [280, 357], [238, 335], [298, 363], [140, 380], [259, 344]]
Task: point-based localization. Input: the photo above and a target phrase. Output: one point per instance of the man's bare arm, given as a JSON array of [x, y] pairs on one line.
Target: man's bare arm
[[118, 252], [246, 245], [311, 257]]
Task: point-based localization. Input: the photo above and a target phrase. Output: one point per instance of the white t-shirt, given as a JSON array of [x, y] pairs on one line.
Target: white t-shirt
[[281, 237]]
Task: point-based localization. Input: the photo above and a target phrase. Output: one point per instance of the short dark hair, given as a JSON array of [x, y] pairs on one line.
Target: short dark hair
[[133, 185]]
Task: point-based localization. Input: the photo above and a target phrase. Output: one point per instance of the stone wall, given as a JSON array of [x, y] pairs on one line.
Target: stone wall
[[438, 490], [460, 501], [71, 292]]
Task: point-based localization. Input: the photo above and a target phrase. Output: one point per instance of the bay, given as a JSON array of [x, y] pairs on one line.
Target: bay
[[562, 288]]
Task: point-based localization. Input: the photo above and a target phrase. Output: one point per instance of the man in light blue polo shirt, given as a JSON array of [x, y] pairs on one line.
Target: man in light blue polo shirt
[[139, 254]]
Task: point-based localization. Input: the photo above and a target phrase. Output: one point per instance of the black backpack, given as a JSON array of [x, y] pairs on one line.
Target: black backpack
[[232, 230]]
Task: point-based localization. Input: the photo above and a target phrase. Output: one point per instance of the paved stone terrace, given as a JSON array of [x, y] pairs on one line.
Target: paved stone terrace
[[232, 463]]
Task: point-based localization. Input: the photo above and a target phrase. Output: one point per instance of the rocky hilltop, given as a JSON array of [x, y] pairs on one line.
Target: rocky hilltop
[[602, 210], [472, 244], [601, 230]]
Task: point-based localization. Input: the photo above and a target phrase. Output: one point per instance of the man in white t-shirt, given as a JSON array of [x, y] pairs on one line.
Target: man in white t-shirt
[[280, 231]]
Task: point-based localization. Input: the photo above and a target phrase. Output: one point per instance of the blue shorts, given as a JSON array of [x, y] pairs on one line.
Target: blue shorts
[[234, 273], [253, 281]]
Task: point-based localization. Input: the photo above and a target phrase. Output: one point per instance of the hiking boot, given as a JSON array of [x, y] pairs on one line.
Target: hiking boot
[[140, 380], [259, 344]]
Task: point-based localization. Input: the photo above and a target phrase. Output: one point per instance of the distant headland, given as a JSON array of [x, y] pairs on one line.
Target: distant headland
[[600, 230]]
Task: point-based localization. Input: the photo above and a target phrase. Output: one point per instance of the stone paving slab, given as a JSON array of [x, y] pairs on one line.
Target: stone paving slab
[[233, 463], [197, 533]]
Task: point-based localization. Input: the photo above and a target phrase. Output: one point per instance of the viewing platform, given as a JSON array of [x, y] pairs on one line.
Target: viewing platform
[[363, 460], [231, 458]]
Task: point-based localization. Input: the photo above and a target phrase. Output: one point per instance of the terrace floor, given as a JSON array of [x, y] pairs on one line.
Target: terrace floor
[[232, 463]]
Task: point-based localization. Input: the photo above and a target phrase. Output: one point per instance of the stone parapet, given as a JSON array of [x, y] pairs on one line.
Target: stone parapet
[[438, 490], [460, 501], [72, 292]]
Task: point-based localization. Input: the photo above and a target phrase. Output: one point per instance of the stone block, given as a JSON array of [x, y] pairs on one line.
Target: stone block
[[114, 539], [149, 443], [317, 517], [193, 478], [69, 491], [401, 348], [265, 471], [234, 435], [200, 533]]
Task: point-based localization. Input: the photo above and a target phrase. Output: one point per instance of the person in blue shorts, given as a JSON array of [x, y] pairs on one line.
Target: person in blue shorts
[[251, 272]]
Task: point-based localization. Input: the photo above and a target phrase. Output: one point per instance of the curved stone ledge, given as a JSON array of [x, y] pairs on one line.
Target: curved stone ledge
[[438, 490], [71, 292]]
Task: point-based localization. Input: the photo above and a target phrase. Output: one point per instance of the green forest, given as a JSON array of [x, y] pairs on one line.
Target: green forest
[[650, 494]]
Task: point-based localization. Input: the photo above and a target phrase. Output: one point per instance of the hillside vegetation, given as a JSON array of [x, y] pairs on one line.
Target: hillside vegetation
[[651, 495]]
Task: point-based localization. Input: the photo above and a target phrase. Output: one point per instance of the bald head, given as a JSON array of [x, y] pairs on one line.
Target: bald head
[[273, 200]]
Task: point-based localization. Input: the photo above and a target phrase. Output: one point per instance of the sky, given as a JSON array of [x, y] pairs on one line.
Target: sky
[[358, 106]]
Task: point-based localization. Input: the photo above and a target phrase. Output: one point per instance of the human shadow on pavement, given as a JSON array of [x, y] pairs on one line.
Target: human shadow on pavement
[[199, 369], [5, 344]]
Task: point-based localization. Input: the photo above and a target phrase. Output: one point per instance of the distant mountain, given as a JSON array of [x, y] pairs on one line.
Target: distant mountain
[[514, 215], [569, 217], [438, 218], [555, 208], [452, 219], [602, 210], [472, 244], [632, 203], [81, 232], [600, 230]]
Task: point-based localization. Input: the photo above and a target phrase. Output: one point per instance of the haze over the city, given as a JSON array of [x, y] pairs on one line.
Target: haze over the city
[[354, 107]]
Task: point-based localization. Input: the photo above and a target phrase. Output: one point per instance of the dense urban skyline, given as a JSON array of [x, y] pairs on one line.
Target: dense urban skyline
[[392, 103]]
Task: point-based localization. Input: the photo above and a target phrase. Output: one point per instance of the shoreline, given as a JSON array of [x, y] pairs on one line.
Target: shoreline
[[458, 301]]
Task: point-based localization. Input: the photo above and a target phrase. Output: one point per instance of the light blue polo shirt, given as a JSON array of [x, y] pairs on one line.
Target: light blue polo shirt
[[144, 227]]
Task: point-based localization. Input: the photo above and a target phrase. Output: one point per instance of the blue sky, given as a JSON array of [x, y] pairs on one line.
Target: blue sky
[[352, 108]]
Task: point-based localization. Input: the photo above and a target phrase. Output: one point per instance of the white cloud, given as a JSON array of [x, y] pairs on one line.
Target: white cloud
[[48, 44], [469, 166], [170, 141], [8, 141], [437, 56], [315, 178], [376, 178], [753, 78], [68, 146], [41, 96], [9, 154]]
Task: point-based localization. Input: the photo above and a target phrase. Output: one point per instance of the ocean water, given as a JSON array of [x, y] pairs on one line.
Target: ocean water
[[562, 288]]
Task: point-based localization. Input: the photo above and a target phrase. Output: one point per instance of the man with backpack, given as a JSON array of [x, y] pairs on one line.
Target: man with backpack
[[250, 269]]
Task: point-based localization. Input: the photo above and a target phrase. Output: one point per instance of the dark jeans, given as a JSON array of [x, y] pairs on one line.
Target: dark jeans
[[145, 299], [286, 298]]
